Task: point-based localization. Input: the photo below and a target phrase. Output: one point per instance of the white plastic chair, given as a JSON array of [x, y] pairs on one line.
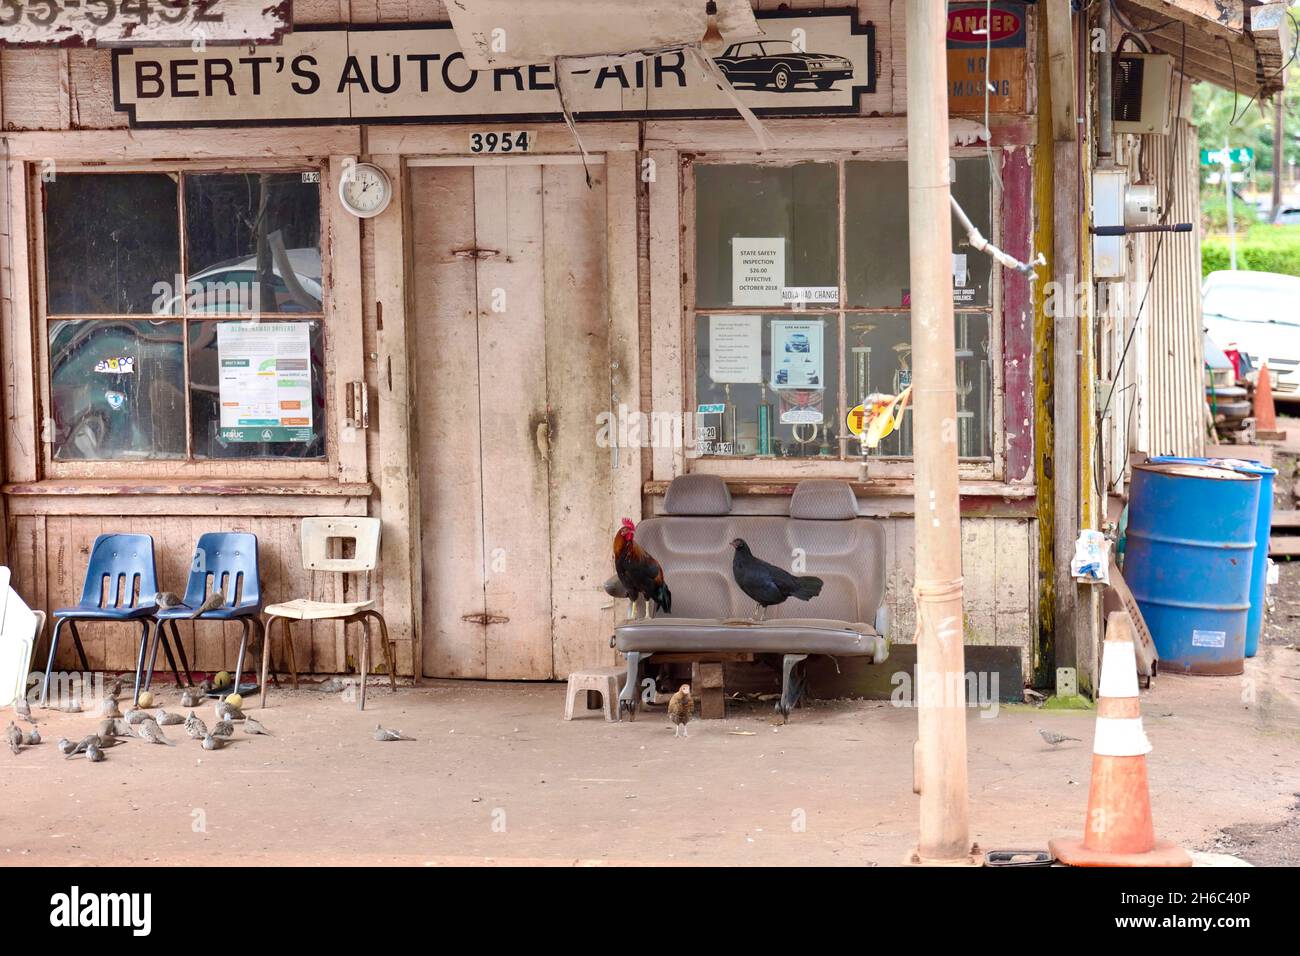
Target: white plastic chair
[[316, 535]]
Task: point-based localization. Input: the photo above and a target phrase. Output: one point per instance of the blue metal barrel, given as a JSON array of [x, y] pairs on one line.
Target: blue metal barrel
[[1190, 549], [1263, 526]]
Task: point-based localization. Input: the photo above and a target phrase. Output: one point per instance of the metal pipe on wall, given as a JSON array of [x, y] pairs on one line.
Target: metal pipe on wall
[[1105, 101], [940, 777]]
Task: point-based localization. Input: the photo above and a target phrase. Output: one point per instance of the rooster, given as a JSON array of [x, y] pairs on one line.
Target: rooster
[[766, 583], [638, 572]]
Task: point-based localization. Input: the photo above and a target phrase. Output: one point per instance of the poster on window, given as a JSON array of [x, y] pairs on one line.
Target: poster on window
[[265, 385], [736, 349], [797, 353], [757, 271]]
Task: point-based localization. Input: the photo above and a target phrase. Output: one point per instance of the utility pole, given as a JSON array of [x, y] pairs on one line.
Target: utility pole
[[940, 755]]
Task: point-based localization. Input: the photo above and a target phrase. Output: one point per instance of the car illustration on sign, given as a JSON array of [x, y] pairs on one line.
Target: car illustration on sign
[[777, 65]]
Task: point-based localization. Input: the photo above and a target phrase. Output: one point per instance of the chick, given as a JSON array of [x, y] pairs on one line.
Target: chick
[[680, 708]]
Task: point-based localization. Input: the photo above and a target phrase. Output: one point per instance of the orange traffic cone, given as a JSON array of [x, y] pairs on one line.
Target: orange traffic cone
[[1119, 830], [1265, 413]]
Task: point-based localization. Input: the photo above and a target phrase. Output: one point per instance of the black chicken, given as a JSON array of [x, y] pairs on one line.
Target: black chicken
[[766, 583]]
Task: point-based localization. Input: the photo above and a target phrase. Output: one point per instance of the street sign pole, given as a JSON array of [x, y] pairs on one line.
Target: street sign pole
[[1227, 192]]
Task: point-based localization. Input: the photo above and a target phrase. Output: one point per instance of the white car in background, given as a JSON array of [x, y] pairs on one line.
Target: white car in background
[[1257, 313]]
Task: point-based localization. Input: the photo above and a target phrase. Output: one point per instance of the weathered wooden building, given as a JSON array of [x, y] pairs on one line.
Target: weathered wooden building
[[525, 339]]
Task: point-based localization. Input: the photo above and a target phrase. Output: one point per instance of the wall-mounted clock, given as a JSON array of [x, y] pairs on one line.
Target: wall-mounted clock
[[365, 190]]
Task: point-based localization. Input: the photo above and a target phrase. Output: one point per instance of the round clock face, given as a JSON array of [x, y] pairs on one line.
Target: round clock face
[[365, 190]]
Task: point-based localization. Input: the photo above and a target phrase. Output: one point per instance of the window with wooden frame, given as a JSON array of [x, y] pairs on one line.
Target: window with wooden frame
[[183, 314], [800, 303]]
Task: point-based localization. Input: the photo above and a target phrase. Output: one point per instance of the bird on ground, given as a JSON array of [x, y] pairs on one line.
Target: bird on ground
[[227, 711], [207, 686], [195, 727], [1056, 739], [24, 709], [166, 720], [80, 746], [680, 708], [94, 754], [149, 731], [384, 734], [766, 583], [15, 737], [213, 743], [167, 600], [254, 726], [639, 573], [213, 601], [121, 728], [191, 697], [113, 689], [223, 728], [134, 716], [65, 746], [32, 737], [109, 708]]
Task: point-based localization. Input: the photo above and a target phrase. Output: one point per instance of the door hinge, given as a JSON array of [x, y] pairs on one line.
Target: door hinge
[[485, 618], [358, 410]]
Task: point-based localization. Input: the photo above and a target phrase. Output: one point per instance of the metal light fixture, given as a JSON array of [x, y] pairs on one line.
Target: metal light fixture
[[713, 42]]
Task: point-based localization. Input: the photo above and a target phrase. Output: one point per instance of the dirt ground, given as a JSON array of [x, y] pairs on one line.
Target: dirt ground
[[495, 775]]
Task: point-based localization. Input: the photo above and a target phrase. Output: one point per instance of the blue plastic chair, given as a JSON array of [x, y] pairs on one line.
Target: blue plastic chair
[[223, 561], [121, 581]]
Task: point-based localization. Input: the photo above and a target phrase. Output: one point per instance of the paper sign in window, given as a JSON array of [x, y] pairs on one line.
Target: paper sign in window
[[757, 271], [265, 385], [735, 348]]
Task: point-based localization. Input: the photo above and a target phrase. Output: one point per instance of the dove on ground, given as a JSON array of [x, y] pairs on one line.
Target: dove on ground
[[149, 731], [15, 737], [94, 754], [191, 697], [213, 601], [254, 726], [195, 727], [166, 720], [81, 745], [32, 737], [226, 711], [23, 709], [134, 717], [113, 689], [121, 728], [386, 735], [1054, 738], [109, 708], [207, 685], [65, 746], [331, 686], [213, 743], [223, 728]]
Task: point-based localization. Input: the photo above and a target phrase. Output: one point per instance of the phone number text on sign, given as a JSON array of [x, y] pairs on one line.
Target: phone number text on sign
[[141, 22]]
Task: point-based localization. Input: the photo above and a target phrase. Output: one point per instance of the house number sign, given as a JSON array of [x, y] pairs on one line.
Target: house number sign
[[192, 23]]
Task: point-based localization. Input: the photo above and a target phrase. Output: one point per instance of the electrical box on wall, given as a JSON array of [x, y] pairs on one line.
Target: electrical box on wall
[[1108, 252], [1140, 98]]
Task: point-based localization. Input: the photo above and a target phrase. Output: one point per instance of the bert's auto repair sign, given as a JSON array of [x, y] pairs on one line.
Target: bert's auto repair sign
[[804, 64]]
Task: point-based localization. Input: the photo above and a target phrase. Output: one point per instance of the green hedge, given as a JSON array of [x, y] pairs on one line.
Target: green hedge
[[1263, 248]]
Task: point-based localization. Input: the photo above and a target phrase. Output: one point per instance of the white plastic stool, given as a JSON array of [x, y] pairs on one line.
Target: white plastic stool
[[606, 681]]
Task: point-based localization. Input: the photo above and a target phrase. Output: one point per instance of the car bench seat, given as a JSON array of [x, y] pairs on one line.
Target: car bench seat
[[710, 615]]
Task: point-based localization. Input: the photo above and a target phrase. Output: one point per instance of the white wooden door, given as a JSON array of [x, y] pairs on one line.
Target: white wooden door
[[513, 368]]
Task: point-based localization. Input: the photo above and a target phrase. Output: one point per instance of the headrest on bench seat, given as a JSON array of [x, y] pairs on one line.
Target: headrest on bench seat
[[823, 499], [697, 495]]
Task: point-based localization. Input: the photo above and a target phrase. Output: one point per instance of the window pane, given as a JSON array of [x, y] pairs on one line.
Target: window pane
[[116, 390], [878, 360], [252, 242], [256, 389], [763, 230], [749, 405], [876, 234], [108, 240]]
